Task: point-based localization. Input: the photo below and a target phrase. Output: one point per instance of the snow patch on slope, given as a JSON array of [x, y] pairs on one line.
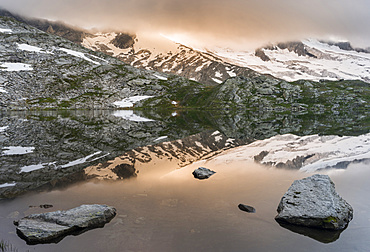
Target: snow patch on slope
[[29, 48], [160, 77], [15, 67], [7, 185], [2, 30], [79, 55], [217, 80], [30, 168], [17, 150], [160, 138], [2, 129]]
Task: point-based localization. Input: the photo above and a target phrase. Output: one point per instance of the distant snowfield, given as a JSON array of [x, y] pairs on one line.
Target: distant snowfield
[[17, 150], [332, 63], [129, 115], [15, 67], [322, 151], [130, 101]]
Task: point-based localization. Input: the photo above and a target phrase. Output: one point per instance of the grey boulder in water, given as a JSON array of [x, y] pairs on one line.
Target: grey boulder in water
[[54, 226], [313, 202]]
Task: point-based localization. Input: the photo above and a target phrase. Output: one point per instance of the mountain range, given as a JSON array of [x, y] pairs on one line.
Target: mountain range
[[40, 70], [310, 59]]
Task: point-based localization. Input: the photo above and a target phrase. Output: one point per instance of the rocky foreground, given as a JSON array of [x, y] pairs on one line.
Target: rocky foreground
[[310, 202]]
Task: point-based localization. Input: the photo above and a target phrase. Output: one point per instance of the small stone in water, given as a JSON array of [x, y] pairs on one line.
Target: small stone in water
[[247, 208], [46, 206], [203, 173]]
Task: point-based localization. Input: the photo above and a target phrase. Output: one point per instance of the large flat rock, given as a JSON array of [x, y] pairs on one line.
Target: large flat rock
[[313, 202], [54, 226]]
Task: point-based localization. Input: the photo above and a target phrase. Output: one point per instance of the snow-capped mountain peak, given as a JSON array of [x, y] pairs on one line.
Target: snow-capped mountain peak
[[309, 59]]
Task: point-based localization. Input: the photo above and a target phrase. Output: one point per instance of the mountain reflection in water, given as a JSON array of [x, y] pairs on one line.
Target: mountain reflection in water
[[63, 143], [164, 208]]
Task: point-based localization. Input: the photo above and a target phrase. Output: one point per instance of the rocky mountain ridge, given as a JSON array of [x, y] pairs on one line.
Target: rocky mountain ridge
[[291, 61], [309, 59], [182, 60], [40, 70]]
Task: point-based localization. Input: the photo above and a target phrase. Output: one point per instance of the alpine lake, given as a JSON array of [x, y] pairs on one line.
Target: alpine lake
[[165, 208]]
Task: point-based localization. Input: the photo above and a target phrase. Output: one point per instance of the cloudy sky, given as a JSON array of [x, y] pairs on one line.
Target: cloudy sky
[[243, 22]]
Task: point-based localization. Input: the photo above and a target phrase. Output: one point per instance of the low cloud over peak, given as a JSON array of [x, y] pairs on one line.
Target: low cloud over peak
[[248, 22]]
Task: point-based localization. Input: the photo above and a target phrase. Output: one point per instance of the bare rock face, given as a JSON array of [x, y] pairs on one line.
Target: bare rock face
[[124, 41], [54, 226], [313, 202]]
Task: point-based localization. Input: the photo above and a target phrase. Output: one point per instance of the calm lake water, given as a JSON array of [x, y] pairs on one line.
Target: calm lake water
[[178, 213], [162, 211]]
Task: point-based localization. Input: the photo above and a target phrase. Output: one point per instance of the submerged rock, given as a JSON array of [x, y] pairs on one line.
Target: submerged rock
[[42, 206], [313, 202], [246, 208], [54, 226], [203, 173]]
